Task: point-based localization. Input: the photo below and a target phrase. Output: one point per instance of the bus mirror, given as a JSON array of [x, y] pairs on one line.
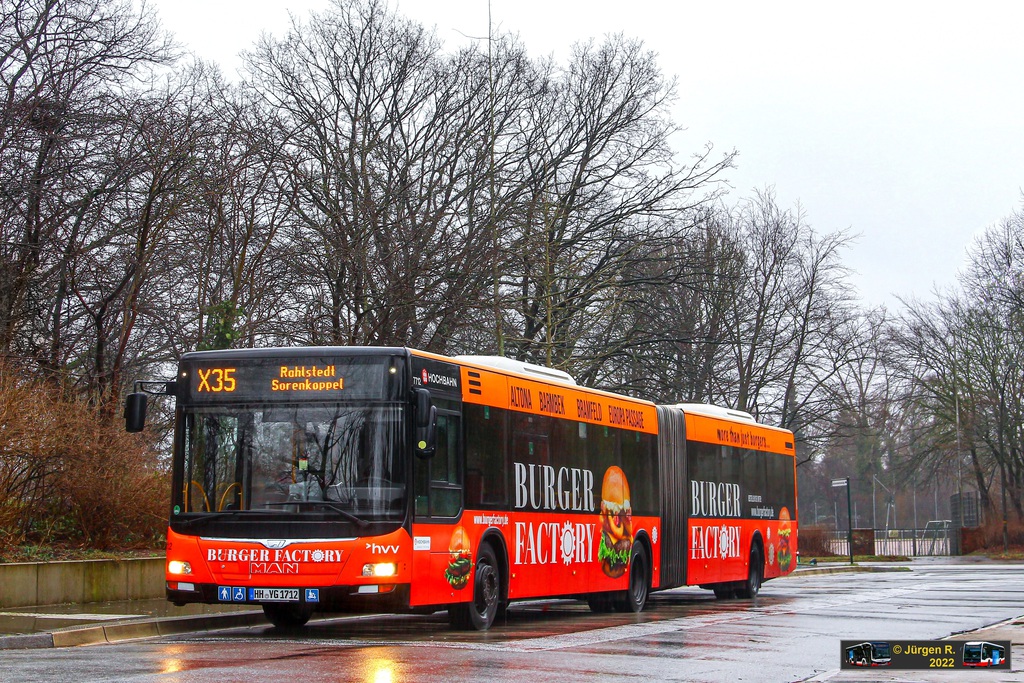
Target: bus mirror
[[426, 436], [426, 424], [423, 406], [135, 412]]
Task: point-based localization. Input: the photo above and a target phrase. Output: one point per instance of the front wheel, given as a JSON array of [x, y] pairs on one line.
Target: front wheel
[[284, 615], [482, 611], [635, 598]]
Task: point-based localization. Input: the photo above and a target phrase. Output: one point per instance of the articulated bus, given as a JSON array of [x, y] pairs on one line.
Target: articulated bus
[[981, 653], [869, 654], [335, 479]]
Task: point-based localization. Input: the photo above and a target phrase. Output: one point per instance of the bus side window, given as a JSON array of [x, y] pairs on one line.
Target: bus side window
[[445, 481], [486, 457], [639, 463], [602, 449], [752, 475], [780, 478]]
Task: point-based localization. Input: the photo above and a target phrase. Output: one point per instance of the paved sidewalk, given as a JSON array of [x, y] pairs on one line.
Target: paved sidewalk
[[108, 622]]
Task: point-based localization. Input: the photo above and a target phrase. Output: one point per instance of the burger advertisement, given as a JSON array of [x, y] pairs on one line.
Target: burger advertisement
[[460, 560], [785, 556], [616, 523]]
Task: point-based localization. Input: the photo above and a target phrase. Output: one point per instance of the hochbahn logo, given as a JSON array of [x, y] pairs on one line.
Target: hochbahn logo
[[443, 380]]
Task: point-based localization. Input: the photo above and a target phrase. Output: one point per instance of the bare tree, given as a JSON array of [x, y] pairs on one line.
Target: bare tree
[[964, 353], [601, 195], [64, 65], [788, 315], [386, 144]]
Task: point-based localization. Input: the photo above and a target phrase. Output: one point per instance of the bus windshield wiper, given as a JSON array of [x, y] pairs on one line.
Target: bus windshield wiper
[[210, 516], [325, 504]]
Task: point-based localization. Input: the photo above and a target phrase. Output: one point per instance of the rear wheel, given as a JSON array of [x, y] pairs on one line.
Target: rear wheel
[[752, 585], [482, 611], [635, 598], [724, 591], [285, 615], [600, 603]]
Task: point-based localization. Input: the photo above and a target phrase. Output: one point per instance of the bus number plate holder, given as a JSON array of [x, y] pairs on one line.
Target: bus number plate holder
[[274, 594]]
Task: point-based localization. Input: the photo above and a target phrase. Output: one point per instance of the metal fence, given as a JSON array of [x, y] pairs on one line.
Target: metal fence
[[935, 539]]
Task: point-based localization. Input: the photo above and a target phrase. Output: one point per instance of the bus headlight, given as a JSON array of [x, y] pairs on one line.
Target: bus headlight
[[178, 567], [381, 569]]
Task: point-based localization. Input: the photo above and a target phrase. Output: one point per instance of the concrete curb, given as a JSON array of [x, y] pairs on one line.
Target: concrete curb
[[843, 569], [132, 630], [1005, 623]]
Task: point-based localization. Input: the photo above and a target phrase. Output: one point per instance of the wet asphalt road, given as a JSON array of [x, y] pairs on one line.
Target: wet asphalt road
[[790, 633]]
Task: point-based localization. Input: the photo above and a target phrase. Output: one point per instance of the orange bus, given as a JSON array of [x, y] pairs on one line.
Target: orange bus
[[335, 479]]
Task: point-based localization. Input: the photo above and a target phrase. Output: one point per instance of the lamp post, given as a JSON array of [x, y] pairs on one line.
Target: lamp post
[[892, 501], [836, 483]]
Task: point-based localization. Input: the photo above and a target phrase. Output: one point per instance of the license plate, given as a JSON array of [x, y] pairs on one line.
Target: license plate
[[274, 594]]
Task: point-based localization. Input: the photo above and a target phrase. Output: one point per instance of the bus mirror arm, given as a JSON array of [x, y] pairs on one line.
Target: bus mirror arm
[[135, 402], [426, 424]]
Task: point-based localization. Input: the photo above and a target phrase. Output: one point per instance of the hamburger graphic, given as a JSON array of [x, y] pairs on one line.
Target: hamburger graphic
[[616, 523], [785, 556], [459, 560]]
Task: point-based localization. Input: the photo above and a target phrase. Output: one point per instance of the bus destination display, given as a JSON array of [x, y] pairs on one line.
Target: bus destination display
[[300, 378]]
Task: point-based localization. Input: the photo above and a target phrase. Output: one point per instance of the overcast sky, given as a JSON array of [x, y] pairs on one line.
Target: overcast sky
[[900, 121]]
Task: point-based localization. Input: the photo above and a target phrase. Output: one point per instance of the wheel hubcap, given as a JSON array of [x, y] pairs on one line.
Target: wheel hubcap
[[487, 588]]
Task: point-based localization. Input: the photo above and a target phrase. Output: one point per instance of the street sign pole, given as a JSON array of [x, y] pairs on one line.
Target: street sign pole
[[849, 518], [836, 483]]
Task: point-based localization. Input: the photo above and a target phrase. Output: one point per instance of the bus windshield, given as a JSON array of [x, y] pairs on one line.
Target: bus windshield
[[294, 458]]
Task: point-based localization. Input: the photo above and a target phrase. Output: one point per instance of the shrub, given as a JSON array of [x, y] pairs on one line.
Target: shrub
[[993, 533], [813, 542], [70, 476]]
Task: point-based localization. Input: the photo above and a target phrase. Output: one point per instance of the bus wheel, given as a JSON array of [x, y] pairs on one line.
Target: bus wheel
[[635, 598], [284, 615], [600, 603], [752, 585], [724, 591], [481, 612]]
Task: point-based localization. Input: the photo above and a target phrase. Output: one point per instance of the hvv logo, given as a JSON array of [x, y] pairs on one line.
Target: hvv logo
[[381, 549]]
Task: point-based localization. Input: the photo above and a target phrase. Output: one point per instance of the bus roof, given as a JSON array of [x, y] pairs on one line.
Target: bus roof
[[509, 364], [295, 352], [715, 411]]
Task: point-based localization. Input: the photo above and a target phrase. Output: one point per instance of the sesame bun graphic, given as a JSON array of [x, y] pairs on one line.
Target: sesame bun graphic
[[460, 560], [616, 523], [785, 557]]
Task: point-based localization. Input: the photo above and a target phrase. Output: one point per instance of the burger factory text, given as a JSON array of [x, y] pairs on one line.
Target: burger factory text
[[542, 487], [714, 542], [714, 499], [554, 542]]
